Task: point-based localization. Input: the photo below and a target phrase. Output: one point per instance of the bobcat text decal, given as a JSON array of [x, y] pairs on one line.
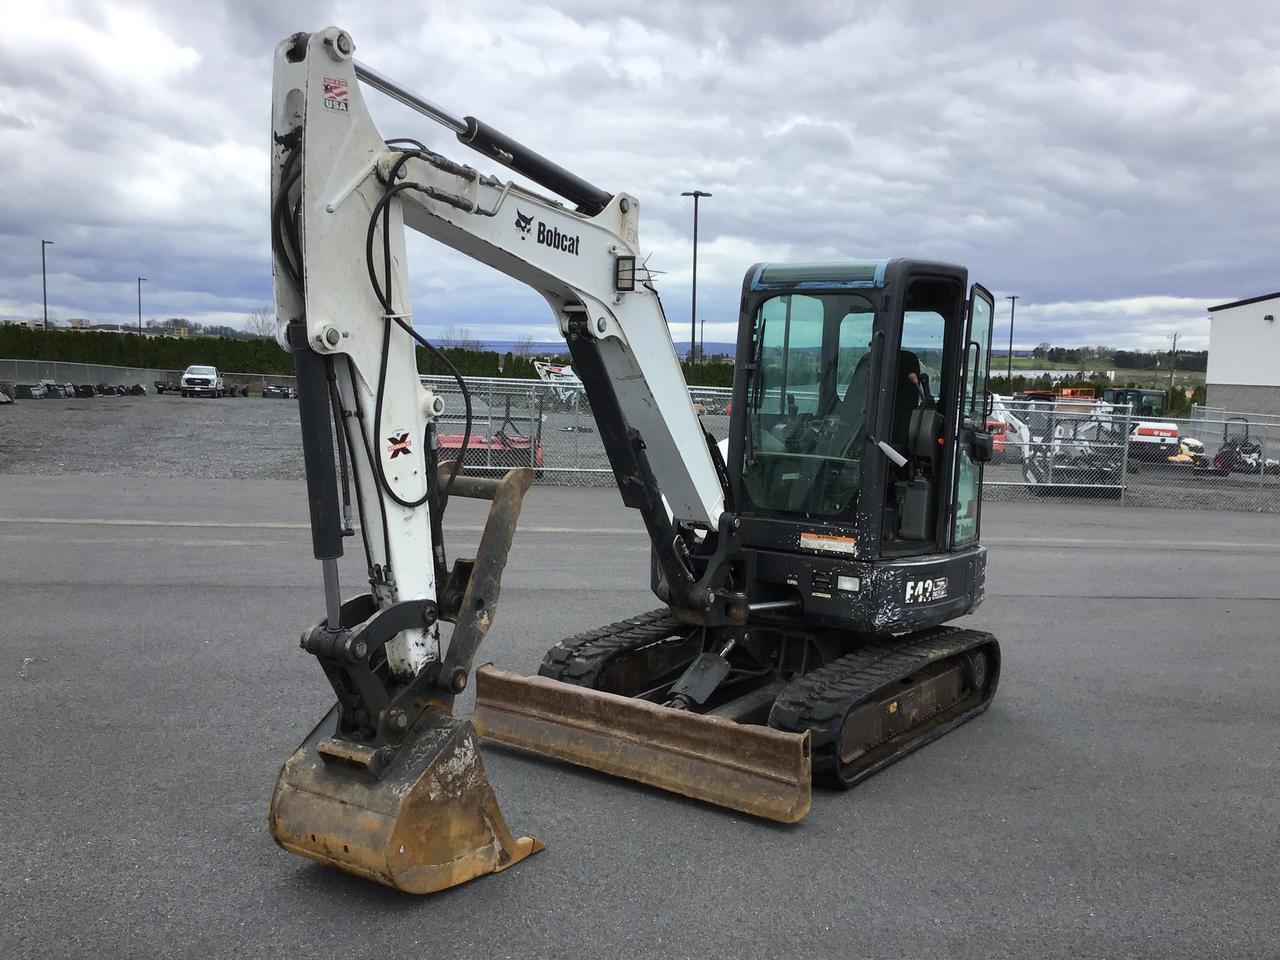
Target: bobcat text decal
[[547, 236]]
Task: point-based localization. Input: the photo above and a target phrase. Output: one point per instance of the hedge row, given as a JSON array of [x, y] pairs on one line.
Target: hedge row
[[260, 355]]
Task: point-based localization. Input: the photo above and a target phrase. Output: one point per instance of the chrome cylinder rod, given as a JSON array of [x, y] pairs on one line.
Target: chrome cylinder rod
[[409, 98]]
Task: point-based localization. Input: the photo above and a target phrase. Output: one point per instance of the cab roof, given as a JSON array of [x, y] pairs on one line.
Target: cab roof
[[827, 275]]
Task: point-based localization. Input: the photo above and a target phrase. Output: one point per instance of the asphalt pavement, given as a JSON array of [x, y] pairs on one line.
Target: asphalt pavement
[[1118, 799]]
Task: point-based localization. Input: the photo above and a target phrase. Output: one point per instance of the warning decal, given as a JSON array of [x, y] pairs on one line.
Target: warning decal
[[829, 543]]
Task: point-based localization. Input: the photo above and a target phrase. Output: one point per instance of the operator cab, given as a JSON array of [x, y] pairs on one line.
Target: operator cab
[[860, 407]]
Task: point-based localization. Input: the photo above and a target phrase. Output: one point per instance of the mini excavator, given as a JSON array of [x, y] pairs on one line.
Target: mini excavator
[[808, 567]]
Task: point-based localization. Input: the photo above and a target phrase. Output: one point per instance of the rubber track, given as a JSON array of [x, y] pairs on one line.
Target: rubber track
[[820, 700], [580, 659]]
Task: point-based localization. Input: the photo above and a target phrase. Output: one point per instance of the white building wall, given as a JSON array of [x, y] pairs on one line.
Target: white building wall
[[1244, 348]]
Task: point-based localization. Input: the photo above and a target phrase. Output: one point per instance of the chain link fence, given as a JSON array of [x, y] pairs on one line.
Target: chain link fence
[[1078, 450], [1214, 460], [548, 426], [56, 371], [61, 372]]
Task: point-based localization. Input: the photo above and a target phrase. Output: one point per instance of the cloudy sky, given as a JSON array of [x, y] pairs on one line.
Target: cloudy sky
[[1114, 164]]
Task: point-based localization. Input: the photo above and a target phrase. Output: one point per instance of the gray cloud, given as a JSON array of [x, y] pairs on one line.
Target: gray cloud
[[1113, 165]]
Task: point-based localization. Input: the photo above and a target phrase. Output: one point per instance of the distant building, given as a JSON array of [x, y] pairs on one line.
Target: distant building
[[1244, 355]]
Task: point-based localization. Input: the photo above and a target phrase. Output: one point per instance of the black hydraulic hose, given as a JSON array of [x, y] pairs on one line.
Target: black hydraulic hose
[[437, 515], [382, 208], [377, 424], [281, 223], [466, 402], [371, 452]]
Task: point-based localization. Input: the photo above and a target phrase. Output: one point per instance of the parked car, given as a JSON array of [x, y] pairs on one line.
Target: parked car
[[274, 392], [201, 381]]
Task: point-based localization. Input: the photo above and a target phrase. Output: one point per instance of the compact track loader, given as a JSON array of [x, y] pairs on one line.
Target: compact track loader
[[808, 567]]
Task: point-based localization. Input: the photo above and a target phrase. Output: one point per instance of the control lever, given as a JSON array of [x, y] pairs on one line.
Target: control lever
[[897, 458]]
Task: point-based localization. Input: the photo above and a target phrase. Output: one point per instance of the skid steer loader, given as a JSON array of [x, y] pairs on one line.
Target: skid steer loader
[[807, 566]]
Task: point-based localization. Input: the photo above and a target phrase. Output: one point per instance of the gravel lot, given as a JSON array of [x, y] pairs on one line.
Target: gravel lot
[[1118, 800], [153, 436], [252, 438]]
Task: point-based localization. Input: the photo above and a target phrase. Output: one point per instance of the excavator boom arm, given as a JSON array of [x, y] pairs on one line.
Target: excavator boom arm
[[356, 192]]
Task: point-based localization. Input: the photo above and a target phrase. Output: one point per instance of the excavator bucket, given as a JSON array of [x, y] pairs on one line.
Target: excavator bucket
[[747, 767], [430, 822], [419, 816]]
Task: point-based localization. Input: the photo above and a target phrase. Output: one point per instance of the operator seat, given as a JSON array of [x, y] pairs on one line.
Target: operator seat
[[906, 399], [851, 411], [918, 428]]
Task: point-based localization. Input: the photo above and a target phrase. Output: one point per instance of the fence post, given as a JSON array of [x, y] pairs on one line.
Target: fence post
[[1124, 456], [1262, 466]]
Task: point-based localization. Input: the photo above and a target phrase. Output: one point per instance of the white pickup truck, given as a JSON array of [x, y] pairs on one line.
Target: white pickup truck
[[200, 381]]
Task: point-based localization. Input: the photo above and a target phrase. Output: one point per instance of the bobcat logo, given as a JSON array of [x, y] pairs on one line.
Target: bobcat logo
[[524, 223]]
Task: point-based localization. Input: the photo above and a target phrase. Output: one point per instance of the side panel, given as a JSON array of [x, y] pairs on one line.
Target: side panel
[[884, 597]]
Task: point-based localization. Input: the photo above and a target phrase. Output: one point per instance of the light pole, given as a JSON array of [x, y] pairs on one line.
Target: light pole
[[1013, 305], [141, 281], [693, 326], [44, 282]]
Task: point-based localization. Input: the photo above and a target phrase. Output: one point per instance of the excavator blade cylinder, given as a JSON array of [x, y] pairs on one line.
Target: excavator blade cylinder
[[747, 767], [429, 821]]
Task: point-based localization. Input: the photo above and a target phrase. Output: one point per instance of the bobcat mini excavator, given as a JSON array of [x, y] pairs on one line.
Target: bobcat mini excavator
[[806, 567]]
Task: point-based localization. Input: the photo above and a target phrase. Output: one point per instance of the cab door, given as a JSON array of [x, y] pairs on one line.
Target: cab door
[[972, 426]]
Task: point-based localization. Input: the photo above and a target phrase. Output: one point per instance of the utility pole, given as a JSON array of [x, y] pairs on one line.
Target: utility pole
[[1013, 305], [141, 281], [1173, 358], [693, 325], [44, 281]]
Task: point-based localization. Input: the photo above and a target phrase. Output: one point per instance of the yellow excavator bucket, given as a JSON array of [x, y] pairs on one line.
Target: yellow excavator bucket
[[430, 822], [747, 767]]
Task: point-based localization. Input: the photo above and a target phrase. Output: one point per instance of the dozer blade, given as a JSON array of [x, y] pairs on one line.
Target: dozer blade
[[430, 821], [747, 767]]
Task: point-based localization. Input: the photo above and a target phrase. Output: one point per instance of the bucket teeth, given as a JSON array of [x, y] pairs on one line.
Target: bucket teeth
[[429, 821], [747, 767]]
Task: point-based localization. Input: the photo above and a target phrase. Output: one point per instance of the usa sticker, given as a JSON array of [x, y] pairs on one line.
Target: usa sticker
[[335, 94], [926, 591]]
